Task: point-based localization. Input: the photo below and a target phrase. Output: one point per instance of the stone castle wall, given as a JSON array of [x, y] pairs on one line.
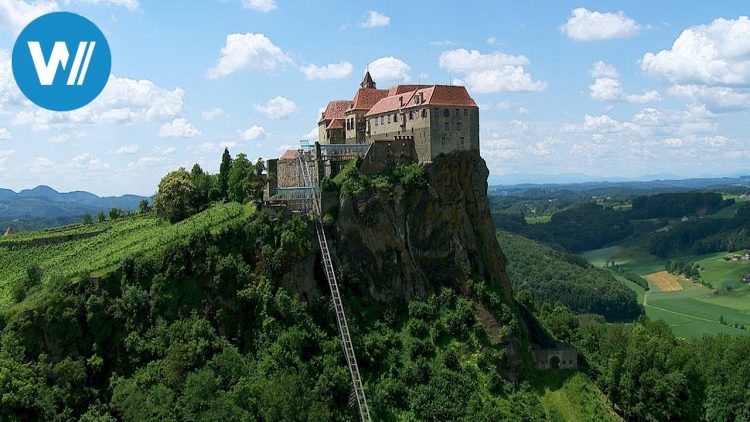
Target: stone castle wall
[[384, 153]]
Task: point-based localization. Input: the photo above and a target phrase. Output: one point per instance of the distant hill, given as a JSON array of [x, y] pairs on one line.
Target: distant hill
[[42, 207], [506, 186]]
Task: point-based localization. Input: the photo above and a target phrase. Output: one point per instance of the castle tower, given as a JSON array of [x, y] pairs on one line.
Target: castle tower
[[367, 81]]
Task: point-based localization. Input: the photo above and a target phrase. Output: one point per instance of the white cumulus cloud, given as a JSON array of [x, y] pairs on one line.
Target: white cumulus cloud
[[708, 64], [277, 108], [462, 60], [490, 72], [390, 69], [179, 128], [248, 51], [128, 4], [4, 134], [212, 114], [253, 133], [338, 70], [607, 86], [128, 149], [123, 101], [587, 25], [263, 6], [507, 78], [16, 14], [375, 19]]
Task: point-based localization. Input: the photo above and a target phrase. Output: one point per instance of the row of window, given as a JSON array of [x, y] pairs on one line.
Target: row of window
[[412, 114], [447, 112], [461, 141]]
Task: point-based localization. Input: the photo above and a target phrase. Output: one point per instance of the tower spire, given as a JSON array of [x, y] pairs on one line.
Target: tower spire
[[367, 81]]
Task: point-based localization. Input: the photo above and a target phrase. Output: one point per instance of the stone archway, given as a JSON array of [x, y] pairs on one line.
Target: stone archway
[[554, 362]]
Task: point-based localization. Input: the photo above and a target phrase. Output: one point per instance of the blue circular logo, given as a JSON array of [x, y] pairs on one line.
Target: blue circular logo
[[61, 61]]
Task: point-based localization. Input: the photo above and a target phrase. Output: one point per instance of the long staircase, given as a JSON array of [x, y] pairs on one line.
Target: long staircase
[[346, 340]]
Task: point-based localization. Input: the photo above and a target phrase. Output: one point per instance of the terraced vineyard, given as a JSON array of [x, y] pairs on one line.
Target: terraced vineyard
[[98, 248]]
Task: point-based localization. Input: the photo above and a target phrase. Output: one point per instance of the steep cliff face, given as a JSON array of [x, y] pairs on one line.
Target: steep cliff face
[[401, 244]]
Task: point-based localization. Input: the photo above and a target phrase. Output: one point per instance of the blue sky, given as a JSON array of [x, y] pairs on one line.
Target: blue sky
[[607, 89]]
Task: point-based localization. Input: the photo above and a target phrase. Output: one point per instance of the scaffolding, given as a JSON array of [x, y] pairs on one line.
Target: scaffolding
[[346, 340]]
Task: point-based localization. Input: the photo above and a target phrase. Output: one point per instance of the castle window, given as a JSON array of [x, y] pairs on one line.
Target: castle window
[[443, 140], [424, 113], [411, 115], [458, 113], [446, 113], [466, 112], [458, 126], [389, 118], [394, 118], [436, 112], [462, 141], [447, 126], [381, 119]]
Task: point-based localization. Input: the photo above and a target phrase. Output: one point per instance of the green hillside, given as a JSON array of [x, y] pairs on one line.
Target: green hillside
[[98, 248], [560, 278], [201, 326]]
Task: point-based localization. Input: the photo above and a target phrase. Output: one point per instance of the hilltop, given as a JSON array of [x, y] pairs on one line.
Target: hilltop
[[142, 318]]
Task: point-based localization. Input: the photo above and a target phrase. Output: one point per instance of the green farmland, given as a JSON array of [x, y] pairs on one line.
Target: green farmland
[[697, 309]]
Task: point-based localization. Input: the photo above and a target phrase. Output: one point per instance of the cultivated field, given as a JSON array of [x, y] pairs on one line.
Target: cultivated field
[[691, 309], [98, 248], [665, 281]]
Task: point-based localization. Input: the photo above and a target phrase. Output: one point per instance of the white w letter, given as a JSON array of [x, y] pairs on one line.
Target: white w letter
[[46, 71]]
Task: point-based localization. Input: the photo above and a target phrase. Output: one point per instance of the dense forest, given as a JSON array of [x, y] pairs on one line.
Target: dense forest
[[583, 227], [561, 278], [678, 204], [649, 374], [206, 331], [704, 235]]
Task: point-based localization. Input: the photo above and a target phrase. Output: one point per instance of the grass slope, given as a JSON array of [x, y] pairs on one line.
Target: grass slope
[[99, 248], [572, 396]]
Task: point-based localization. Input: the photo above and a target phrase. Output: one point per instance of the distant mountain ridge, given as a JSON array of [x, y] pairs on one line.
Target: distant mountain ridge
[[43, 206], [655, 184]]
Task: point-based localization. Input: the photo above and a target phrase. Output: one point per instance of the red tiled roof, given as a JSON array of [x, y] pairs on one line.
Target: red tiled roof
[[290, 154], [450, 95], [365, 98], [335, 124], [400, 89], [335, 110], [433, 95]]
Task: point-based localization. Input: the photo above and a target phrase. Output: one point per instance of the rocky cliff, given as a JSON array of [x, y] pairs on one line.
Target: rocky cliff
[[403, 243]]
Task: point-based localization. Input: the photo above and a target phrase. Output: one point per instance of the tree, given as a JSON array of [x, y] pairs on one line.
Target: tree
[[143, 206], [115, 213], [101, 217], [238, 185], [87, 218], [174, 199], [204, 187], [226, 166], [34, 275]]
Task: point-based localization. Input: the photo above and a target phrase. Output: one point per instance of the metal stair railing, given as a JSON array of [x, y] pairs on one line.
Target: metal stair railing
[[346, 340]]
